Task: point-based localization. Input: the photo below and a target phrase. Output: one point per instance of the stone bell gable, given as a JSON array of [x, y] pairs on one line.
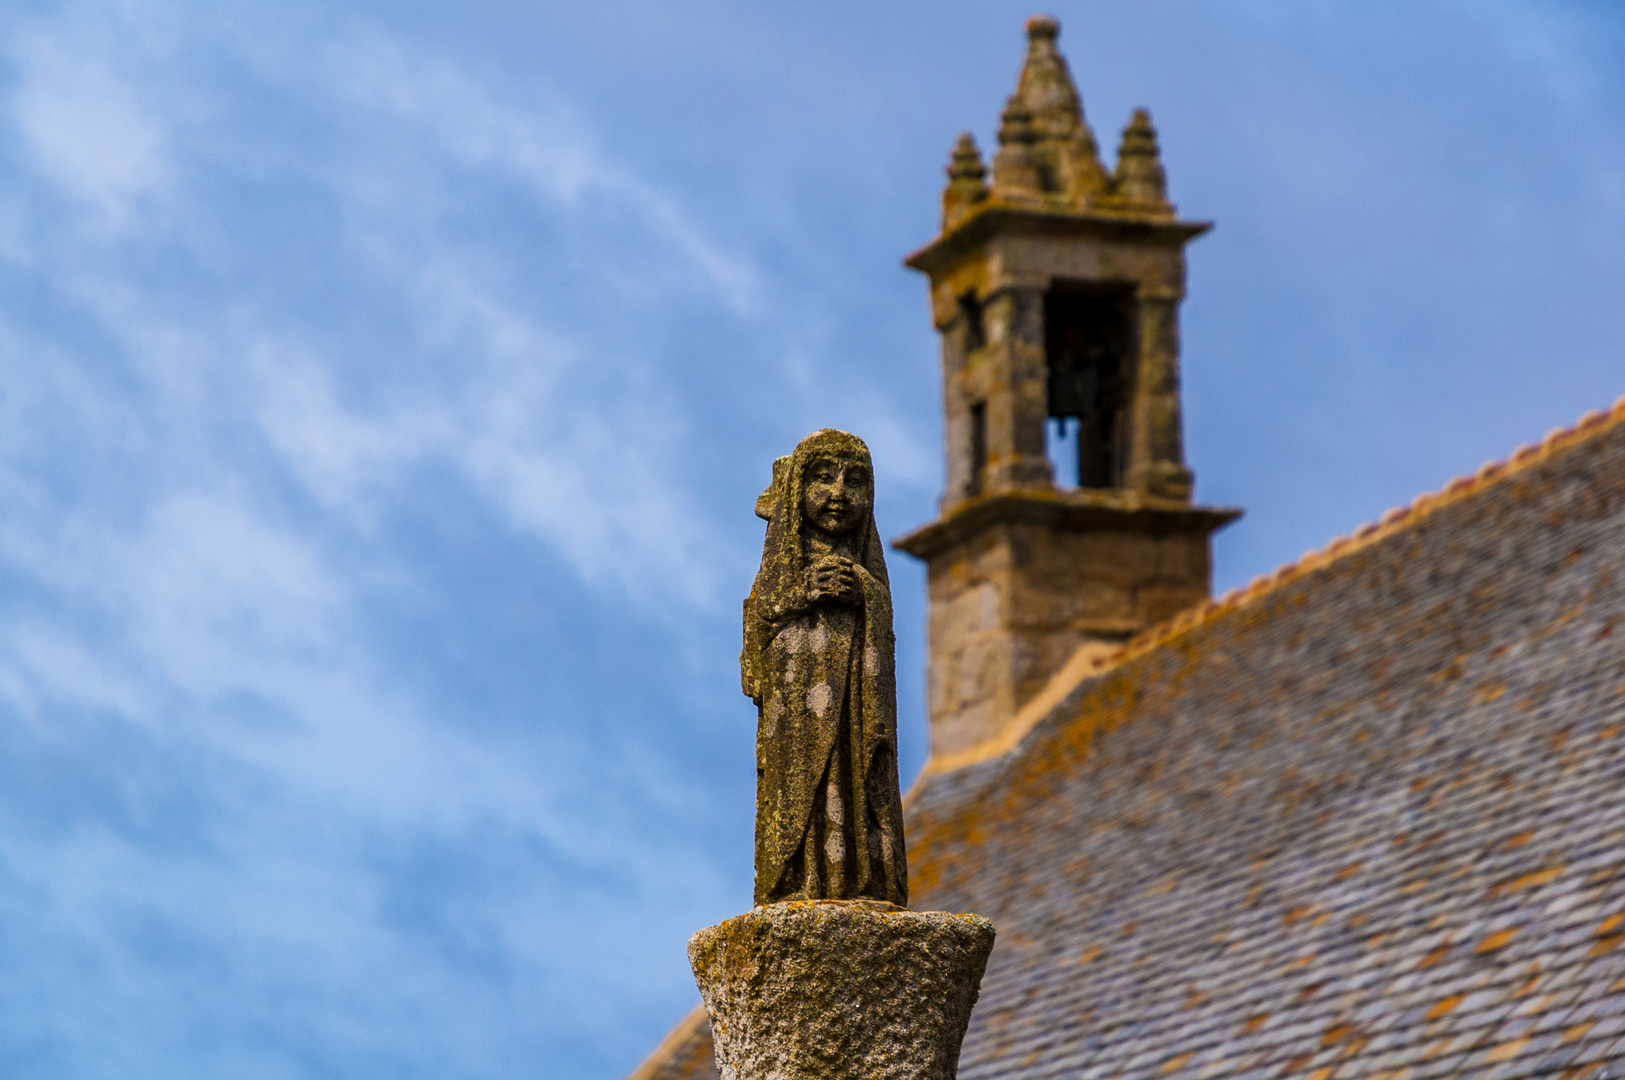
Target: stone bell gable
[[1056, 291]]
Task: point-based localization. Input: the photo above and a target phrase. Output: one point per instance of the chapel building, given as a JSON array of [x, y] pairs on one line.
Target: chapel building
[[1364, 818]]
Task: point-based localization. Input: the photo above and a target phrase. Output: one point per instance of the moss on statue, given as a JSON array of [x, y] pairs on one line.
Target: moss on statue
[[819, 661]]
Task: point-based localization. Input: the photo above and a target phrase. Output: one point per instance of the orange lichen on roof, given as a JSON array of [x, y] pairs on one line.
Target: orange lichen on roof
[[1525, 881], [1176, 1063], [1605, 945], [1445, 1007], [1090, 661], [1335, 1034], [1433, 957]]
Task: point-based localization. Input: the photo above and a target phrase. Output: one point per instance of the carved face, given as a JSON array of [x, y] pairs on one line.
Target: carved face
[[836, 494]]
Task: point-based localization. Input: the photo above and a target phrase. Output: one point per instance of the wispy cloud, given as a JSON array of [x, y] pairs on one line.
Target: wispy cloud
[[551, 150], [591, 476], [86, 125]]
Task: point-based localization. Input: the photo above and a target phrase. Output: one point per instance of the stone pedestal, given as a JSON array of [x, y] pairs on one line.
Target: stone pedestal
[[840, 990]]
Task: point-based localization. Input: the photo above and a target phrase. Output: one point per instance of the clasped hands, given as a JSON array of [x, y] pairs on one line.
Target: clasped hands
[[835, 578]]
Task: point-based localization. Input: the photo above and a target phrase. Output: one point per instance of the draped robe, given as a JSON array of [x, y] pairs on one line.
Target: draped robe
[[829, 815]]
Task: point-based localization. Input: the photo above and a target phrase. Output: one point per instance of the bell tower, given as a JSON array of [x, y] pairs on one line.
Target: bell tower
[[1056, 290]]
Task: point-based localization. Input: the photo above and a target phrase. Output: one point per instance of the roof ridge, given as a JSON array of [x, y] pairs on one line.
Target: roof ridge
[[1089, 661], [686, 1028]]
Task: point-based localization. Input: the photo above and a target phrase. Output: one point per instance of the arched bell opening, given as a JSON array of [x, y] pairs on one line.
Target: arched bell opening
[[1089, 351]]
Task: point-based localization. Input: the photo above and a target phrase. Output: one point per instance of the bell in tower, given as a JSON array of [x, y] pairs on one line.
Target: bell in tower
[[1056, 290], [1088, 342]]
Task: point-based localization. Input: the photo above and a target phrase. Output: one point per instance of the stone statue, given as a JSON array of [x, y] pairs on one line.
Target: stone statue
[[848, 982], [819, 661]]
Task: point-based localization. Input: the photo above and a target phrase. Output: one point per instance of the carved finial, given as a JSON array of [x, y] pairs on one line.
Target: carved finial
[[966, 161], [1064, 148], [967, 181], [1043, 26], [1140, 182], [1015, 167]]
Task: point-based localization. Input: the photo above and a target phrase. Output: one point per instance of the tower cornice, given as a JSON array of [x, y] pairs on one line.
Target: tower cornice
[[992, 219], [1066, 511]]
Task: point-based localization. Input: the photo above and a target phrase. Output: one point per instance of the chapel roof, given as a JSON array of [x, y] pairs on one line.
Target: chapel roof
[[1365, 817]]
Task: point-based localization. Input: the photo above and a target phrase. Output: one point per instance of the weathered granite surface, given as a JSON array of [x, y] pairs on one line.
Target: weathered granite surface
[[820, 663], [826, 990]]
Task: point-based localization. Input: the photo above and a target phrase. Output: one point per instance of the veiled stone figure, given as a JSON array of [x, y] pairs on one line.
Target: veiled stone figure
[[819, 660]]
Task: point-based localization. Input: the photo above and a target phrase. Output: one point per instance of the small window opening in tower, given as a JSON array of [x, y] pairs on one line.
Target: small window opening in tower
[[970, 309], [1048, 179], [978, 448], [1089, 345]]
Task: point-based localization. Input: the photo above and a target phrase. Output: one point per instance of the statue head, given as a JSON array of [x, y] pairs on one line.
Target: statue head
[[837, 487], [829, 478], [825, 488]]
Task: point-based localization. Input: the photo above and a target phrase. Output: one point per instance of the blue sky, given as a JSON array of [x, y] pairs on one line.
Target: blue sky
[[387, 386]]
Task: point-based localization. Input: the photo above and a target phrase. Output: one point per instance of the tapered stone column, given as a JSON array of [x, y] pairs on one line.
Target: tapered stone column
[[1012, 383], [1156, 455], [840, 990]]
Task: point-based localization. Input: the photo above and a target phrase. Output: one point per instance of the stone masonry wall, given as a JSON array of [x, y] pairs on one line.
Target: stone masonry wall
[[1013, 603]]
